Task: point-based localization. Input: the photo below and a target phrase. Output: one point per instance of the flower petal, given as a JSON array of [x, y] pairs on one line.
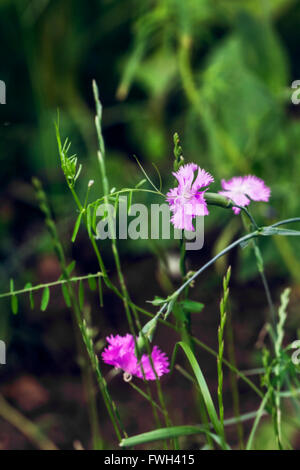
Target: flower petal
[[120, 353]]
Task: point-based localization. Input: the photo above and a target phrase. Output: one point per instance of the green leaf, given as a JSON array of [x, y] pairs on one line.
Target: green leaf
[[76, 227], [71, 267], [149, 328], [141, 183], [202, 385], [129, 202], [66, 295], [187, 430], [14, 299], [170, 306], [89, 217], [92, 283], [166, 433], [157, 301], [259, 414], [81, 295], [116, 204], [94, 217], [45, 298], [267, 231], [179, 312], [192, 306]]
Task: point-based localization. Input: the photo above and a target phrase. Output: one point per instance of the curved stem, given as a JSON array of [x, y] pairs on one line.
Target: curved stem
[[286, 221], [25, 426], [213, 260], [206, 348]]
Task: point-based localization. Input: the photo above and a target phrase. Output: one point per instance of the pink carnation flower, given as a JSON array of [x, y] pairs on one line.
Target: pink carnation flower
[[120, 353], [186, 201], [241, 189]]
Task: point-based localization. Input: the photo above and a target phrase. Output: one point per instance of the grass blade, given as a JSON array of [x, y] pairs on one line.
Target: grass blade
[[76, 227], [188, 430], [260, 413], [203, 387], [167, 433]]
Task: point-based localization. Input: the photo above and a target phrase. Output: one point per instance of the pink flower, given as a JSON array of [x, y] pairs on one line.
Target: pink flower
[[241, 189], [186, 201], [120, 353]]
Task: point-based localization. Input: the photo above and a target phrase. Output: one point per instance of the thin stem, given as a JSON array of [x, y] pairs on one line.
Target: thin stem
[[126, 190], [213, 260], [87, 341], [233, 378], [25, 426], [189, 86], [125, 294], [261, 270], [286, 221], [248, 214], [269, 297], [186, 323], [51, 284], [223, 316], [206, 348], [147, 397]]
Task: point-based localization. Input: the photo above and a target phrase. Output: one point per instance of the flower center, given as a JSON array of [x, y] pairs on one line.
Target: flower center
[[187, 194], [127, 377]]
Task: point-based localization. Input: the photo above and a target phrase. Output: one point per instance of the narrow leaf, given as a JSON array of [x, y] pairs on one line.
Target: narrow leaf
[[92, 283], [260, 413], [45, 298], [202, 385], [76, 228], [129, 202], [81, 295], [71, 267], [167, 433], [89, 220], [141, 183], [267, 231], [66, 295], [187, 430], [192, 306], [14, 299], [157, 301]]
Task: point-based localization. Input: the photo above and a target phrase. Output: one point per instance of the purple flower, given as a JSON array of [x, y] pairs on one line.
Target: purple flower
[[186, 201], [241, 189], [120, 353]]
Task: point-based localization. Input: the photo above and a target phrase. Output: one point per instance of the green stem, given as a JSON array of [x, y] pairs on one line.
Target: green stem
[[206, 348], [213, 260], [124, 291], [30, 430], [261, 270], [51, 284], [233, 379], [223, 315], [87, 341], [186, 336], [147, 397]]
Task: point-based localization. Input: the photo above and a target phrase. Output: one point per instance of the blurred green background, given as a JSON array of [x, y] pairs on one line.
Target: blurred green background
[[219, 72]]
